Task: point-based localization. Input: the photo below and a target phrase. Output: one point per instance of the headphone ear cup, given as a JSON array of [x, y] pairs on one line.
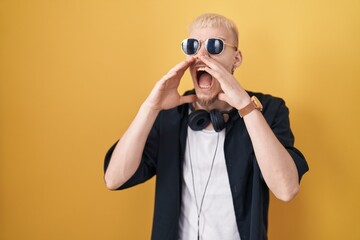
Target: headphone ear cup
[[198, 120], [217, 120]]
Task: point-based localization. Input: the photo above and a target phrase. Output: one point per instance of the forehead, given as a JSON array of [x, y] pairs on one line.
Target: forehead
[[203, 33]]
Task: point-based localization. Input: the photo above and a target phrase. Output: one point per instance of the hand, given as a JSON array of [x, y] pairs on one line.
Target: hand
[[233, 93], [165, 94]]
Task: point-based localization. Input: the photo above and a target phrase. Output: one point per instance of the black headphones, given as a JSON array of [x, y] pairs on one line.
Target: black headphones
[[200, 119]]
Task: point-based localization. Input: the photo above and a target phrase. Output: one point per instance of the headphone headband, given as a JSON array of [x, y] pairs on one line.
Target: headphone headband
[[200, 119]]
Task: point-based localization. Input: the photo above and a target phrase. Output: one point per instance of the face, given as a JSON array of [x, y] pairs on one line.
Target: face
[[207, 87]]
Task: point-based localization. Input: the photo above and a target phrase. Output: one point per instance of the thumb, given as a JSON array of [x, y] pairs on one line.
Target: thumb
[[187, 99], [223, 97]]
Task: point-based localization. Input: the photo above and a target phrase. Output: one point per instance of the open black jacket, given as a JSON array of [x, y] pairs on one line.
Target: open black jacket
[[164, 156]]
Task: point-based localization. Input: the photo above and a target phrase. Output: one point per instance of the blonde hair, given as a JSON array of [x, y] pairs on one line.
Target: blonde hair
[[215, 20]]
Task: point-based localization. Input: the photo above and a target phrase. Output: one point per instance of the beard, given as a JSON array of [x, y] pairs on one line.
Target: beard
[[206, 101]]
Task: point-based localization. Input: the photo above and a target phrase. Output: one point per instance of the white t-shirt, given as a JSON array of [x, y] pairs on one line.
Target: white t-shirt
[[217, 215]]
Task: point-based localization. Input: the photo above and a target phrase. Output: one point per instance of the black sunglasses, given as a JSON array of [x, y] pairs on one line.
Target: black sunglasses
[[214, 46]]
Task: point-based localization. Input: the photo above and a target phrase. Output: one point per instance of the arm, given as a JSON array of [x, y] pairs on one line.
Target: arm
[[128, 152], [276, 164]]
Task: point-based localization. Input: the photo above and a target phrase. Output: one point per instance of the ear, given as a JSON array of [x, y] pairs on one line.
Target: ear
[[238, 59]]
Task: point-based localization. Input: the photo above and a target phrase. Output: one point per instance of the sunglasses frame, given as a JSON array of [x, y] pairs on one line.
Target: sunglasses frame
[[206, 41]]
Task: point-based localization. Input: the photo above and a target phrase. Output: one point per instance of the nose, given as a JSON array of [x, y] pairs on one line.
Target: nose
[[202, 51]]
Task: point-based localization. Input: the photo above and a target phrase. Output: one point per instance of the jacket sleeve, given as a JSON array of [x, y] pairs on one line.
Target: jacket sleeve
[[281, 128], [147, 167]]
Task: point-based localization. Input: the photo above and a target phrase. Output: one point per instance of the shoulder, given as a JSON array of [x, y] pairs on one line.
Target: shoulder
[[266, 99], [171, 119]]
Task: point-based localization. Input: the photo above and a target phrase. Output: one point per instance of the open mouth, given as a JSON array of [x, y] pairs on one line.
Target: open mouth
[[203, 78]]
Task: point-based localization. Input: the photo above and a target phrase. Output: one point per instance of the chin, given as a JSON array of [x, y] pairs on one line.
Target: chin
[[206, 100]]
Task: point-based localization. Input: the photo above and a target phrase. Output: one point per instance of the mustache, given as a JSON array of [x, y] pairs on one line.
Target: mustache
[[199, 63]]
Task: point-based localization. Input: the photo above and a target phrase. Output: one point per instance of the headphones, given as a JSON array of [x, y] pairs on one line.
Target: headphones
[[200, 119]]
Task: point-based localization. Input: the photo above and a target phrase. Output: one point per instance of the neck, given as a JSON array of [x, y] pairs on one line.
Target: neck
[[219, 105]]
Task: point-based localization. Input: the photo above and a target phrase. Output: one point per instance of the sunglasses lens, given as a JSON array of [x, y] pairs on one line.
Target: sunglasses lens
[[190, 46], [214, 45]]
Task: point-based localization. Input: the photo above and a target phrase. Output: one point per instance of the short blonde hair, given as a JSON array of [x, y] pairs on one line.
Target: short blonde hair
[[215, 20]]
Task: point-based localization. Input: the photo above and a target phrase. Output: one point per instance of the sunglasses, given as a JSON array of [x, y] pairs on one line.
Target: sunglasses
[[214, 46]]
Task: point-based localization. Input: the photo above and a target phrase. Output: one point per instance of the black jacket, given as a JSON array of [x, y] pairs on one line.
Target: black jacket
[[164, 156]]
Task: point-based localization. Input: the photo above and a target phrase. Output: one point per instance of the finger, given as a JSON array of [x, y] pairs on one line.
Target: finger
[[215, 69], [178, 71], [182, 66], [211, 63], [213, 73], [167, 76], [188, 99]]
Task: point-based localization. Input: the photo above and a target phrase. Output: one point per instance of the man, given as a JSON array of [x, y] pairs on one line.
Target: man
[[216, 151]]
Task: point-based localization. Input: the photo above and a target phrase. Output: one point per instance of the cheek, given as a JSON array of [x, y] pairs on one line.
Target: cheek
[[225, 61]]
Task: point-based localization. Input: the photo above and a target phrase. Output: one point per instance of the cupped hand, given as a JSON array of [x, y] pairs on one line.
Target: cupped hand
[[233, 93], [165, 93]]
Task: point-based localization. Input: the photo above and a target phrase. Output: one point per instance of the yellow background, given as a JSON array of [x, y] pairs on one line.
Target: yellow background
[[74, 73]]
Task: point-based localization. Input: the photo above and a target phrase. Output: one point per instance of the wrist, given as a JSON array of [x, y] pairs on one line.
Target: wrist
[[149, 109], [244, 101], [254, 104]]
